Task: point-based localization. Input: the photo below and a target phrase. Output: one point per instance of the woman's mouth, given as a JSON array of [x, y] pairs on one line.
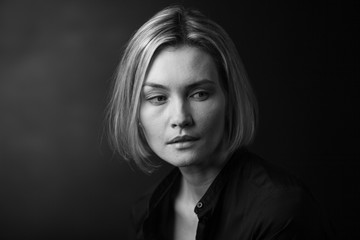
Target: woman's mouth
[[182, 139]]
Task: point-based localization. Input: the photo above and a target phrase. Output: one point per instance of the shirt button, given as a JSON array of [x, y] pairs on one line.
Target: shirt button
[[199, 205]]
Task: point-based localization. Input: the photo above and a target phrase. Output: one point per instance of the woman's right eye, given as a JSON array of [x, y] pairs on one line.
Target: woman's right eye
[[157, 100]]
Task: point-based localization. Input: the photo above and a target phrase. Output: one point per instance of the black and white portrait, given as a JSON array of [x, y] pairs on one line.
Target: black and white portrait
[[179, 120]]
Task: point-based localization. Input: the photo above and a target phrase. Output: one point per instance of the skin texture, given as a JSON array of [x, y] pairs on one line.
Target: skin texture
[[182, 96]]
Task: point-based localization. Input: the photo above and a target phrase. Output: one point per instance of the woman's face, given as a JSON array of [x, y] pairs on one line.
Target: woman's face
[[182, 109]]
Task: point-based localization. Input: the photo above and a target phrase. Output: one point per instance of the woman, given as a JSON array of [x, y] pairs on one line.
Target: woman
[[182, 95]]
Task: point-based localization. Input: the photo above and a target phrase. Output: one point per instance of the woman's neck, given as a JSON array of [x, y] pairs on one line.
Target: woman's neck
[[197, 179]]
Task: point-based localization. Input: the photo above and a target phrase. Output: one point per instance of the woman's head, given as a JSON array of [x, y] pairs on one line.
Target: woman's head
[[171, 30]]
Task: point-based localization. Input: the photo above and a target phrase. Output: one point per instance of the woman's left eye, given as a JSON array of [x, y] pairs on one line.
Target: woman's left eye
[[200, 96]]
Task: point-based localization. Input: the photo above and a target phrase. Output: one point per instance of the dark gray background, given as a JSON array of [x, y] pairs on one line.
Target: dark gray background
[[58, 178]]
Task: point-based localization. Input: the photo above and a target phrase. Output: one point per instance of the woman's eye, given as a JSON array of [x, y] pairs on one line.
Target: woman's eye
[[157, 100], [200, 96]]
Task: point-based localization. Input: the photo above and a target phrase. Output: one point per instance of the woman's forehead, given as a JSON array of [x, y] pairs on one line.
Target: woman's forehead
[[180, 64]]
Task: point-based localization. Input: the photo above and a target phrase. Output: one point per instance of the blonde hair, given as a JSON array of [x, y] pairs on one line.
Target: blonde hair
[[175, 26]]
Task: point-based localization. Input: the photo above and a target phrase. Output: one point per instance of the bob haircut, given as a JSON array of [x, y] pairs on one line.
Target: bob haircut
[[172, 27]]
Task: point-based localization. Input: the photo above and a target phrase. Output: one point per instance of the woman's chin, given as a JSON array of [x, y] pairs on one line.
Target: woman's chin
[[182, 160]]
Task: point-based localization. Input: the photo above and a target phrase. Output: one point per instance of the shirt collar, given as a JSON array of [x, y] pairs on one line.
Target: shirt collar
[[208, 201]]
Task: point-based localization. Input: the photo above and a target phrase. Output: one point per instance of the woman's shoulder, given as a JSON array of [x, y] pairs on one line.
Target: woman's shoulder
[[264, 174], [265, 187], [273, 184], [275, 199]]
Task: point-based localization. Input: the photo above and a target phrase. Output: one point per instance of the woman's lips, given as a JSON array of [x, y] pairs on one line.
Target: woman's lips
[[181, 139]]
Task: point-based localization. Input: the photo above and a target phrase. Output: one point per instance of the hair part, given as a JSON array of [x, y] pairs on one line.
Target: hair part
[[176, 26]]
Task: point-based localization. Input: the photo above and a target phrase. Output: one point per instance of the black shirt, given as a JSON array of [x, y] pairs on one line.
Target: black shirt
[[249, 199]]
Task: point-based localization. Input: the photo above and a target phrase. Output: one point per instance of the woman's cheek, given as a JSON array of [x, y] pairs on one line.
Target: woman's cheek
[[210, 119], [213, 109]]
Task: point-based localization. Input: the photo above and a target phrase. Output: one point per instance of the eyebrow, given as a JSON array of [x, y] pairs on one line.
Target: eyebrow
[[193, 85]]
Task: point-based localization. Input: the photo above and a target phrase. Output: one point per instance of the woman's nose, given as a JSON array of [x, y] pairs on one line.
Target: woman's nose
[[181, 115]]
